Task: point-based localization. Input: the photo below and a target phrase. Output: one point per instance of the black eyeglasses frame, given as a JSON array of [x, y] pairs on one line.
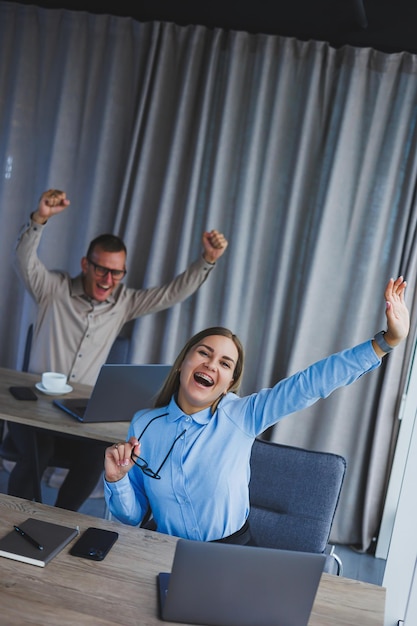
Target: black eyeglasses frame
[[143, 465], [101, 271]]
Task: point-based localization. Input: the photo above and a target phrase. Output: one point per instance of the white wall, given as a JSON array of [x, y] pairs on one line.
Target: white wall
[[407, 415], [399, 578], [411, 613]]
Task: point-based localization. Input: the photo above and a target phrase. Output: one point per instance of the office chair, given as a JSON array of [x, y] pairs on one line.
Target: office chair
[[293, 498]]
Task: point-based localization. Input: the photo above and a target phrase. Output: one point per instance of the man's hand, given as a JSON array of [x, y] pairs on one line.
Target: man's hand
[[51, 202], [214, 244], [398, 317]]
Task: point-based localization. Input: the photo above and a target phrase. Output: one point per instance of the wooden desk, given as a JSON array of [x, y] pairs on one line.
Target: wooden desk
[[43, 414], [122, 588]]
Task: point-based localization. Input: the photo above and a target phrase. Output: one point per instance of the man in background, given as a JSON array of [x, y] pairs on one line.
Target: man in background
[[78, 320]]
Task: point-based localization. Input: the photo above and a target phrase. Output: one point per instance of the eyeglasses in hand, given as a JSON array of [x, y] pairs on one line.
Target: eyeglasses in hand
[[142, 464]]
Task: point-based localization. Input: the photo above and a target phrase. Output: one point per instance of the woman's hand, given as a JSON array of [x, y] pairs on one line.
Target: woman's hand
[[398, 317], [117, 459], [396, 311]]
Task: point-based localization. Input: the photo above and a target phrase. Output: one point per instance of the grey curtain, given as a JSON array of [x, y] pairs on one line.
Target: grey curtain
[[303, 155]]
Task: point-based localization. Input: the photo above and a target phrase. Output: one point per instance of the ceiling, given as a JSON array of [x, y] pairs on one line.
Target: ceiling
[[387, 25]]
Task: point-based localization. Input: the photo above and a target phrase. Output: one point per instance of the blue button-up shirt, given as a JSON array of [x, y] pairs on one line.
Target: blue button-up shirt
[[203, 490]]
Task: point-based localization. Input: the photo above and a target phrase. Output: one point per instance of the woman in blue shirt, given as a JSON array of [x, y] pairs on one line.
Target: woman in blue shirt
[[188, 459]]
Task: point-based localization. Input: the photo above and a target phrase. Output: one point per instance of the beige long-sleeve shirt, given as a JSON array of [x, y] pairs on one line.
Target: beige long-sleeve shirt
[[73, 333]]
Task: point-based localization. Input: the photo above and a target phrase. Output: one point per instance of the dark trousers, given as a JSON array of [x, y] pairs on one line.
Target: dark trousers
[[241, 537], [83, 457]]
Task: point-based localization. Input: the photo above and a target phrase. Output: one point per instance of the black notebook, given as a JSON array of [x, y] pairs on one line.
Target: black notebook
[[51, 537]]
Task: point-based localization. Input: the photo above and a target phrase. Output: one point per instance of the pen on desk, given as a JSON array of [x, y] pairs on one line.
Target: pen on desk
[[28, 538]]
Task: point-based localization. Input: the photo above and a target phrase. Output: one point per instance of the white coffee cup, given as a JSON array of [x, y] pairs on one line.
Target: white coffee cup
[[54, 381]]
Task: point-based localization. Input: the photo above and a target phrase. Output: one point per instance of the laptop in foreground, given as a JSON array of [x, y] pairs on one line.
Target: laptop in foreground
[[120, 391], [219, 584]]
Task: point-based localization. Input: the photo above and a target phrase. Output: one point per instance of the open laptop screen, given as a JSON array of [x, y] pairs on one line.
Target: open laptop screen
[[220, 584], [120, 391]]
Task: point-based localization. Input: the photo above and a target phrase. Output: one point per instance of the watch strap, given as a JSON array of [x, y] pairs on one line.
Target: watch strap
[[380, 341]]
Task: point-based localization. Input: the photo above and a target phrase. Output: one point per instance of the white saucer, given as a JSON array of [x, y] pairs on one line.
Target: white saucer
[[40, 387]]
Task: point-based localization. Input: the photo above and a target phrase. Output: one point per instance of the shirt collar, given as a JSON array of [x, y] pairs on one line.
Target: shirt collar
[[175, 413]]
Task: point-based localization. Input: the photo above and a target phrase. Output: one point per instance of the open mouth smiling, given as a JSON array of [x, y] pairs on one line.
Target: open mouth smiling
[[203, 379]]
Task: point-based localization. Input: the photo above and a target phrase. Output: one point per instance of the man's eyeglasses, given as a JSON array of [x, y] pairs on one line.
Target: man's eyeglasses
[[142, 464], [102, 272]]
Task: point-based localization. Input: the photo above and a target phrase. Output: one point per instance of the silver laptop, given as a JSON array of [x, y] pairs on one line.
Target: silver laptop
[[218, 584], [120, 391]]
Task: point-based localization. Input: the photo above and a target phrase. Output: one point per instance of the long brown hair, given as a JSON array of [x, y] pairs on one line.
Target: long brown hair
[[172, 383]]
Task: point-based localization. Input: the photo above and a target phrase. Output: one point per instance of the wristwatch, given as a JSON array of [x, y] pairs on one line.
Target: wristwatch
[[380, 341]]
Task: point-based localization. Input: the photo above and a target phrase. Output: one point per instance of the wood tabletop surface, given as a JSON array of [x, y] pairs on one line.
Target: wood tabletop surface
[[122, 589], [43, 414]]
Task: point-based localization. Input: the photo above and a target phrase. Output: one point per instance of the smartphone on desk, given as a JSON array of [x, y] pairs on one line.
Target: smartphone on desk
[[23, 393], [94, 543]]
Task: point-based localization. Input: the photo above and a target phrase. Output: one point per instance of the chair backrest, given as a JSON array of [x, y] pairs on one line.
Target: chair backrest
[[119, 352], [293, 496]]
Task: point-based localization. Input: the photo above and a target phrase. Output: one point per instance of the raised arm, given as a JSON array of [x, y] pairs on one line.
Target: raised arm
[[398, 317]]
